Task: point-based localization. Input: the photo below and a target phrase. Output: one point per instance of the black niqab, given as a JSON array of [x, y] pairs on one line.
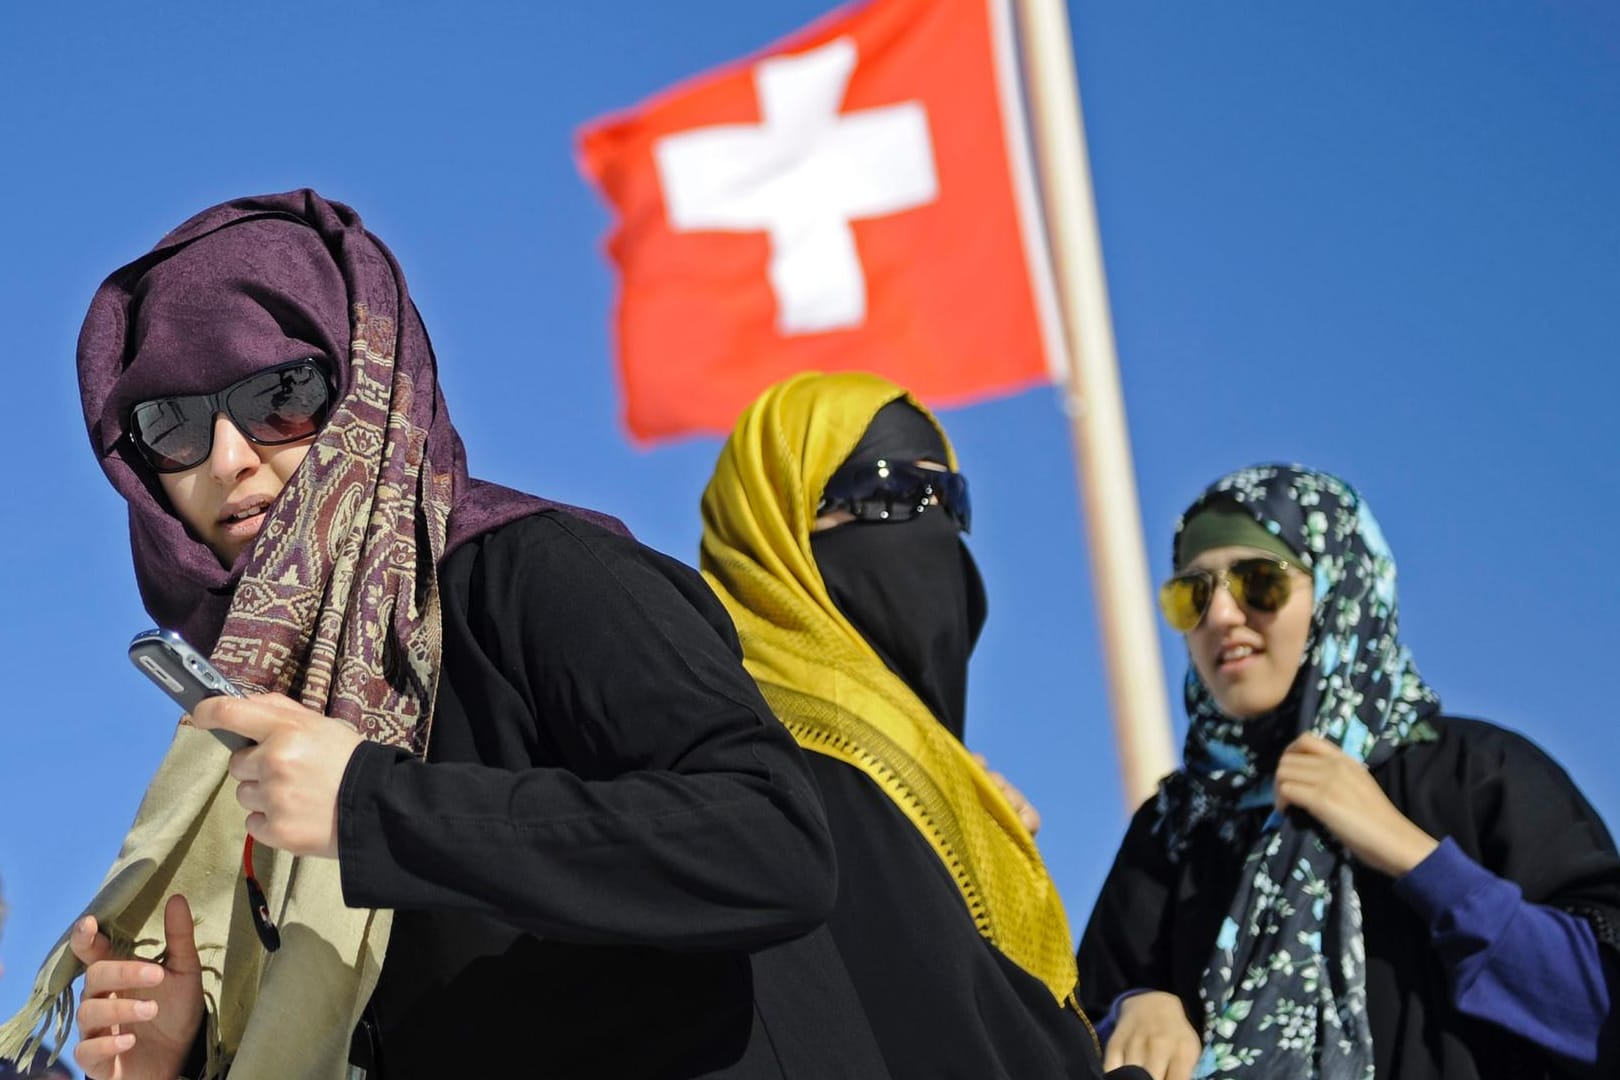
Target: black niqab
[[910, 587]]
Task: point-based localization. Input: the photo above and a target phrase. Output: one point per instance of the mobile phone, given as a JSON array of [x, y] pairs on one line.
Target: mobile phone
[[184, 674]]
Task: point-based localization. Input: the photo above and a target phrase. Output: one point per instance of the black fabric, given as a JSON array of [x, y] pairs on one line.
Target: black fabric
[[913, 591], [943, 1002], [910, 587], [899, 432], [1506, 805], [614, 862]]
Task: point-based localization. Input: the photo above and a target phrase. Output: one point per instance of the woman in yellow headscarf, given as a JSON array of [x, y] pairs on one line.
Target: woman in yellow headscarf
[[832, 532]]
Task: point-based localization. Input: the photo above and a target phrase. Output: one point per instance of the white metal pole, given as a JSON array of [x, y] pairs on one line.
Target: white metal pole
[[1096, 407]]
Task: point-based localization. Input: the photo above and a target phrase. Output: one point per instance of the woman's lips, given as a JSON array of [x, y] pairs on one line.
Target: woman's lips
[[241, 518], [242, 528], [1233, 659]]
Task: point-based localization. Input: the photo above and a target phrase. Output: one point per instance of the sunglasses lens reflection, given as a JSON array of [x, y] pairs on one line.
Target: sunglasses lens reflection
[[1262, 584], [279, 406], [174, 432], [1184, 599]]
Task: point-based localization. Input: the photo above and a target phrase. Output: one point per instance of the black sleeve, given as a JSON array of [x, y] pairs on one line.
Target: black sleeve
[[1537, 830], [1516, 812], [1125, 946], [688, 820]]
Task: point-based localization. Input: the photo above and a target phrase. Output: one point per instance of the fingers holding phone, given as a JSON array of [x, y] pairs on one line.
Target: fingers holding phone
[[288, 760], [289, 775]]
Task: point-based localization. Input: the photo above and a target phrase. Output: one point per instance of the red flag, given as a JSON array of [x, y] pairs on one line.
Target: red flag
[[857, 196]]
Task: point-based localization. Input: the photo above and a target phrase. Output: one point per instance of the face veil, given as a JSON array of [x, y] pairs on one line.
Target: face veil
[[911, 588]]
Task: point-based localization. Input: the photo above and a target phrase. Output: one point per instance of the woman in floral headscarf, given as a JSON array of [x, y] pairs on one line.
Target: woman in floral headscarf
[[1342, 882]]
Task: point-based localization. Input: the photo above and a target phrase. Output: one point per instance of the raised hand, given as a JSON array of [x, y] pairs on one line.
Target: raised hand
[[138, 1018], [1153, 1033], [289, 778], [1028, 816], [1338, 791]]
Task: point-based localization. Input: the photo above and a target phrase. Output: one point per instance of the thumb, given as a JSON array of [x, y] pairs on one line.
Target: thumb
[[180, 935], [88, 943]]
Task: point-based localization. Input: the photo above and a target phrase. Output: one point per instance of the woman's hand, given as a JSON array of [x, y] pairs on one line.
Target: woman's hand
[[289, 778], [138, 1018], [1153, 1032], [1338, 791], [1028, 816]]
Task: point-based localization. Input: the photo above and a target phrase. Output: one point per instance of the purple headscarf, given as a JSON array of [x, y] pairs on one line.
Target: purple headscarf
[[245, 285]]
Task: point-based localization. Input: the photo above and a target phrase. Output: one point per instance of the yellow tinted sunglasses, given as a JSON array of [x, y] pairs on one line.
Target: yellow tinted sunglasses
[[1260, 584]]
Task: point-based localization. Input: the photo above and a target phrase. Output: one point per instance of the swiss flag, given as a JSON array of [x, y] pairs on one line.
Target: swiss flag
[[857, 196]]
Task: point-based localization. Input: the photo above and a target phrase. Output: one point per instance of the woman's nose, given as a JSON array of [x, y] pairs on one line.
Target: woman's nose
[[232, 454], [1224, 609]]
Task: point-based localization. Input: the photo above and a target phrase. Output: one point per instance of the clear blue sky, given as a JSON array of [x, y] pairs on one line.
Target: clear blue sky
[[1381, 239]]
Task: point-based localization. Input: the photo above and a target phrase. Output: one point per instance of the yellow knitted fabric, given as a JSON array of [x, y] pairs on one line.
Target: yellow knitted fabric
[[827, 684]]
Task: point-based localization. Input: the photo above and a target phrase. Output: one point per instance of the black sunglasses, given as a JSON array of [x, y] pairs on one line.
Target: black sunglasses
[[896, 491], [1259, 584], [278, 405]]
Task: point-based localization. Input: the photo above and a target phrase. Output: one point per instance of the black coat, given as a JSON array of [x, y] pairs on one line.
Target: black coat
[[614, 863], [944, 1003]]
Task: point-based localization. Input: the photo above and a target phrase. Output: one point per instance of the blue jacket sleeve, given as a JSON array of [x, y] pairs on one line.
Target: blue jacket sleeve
[[1534, 970]]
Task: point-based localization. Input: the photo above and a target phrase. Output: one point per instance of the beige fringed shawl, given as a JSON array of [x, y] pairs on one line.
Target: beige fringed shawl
[[338, 607], [289, 1013]]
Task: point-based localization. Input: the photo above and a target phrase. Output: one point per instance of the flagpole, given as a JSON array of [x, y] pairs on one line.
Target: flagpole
[[1096, 407]]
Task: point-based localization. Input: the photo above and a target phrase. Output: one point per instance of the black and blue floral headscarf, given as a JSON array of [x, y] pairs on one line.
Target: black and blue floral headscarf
[[1285, 991]]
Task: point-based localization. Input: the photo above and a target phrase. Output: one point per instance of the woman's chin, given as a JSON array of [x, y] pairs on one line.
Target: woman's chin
[[1248, 706]]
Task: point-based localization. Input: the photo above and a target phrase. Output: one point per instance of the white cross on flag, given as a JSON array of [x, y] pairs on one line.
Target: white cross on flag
[[857, 196]]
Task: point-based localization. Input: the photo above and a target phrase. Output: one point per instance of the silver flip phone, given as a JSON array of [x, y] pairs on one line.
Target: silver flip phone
[[183, 673]]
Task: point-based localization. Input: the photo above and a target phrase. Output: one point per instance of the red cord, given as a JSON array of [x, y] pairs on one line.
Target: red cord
[[258, 906]]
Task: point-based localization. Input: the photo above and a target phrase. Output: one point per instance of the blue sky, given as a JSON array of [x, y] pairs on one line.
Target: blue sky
[[1380, 239]]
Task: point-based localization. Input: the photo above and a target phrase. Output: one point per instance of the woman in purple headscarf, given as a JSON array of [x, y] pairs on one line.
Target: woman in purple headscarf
[[516, 806]]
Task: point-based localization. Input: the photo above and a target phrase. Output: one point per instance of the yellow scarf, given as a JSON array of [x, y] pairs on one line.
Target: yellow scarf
[[831, 689]]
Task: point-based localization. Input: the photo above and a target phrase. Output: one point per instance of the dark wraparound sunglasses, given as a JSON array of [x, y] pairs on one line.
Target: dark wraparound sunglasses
[[896, 491], [1259, 584], [278, 405]]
